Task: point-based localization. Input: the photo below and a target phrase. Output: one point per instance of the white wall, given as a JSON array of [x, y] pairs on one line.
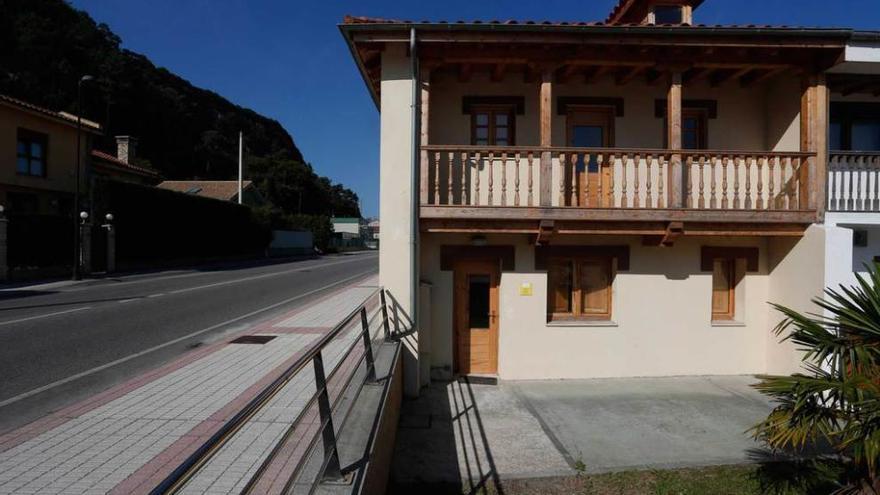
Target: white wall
[[395, 188]]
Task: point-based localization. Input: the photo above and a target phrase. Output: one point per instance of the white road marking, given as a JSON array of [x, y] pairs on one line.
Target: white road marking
[[144, 279], [47, 315], [156, 295], [256, 277], [96, 369], [123, 301]]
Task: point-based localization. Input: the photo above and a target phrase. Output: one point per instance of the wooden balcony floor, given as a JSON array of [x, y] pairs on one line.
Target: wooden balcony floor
[[611, 221]]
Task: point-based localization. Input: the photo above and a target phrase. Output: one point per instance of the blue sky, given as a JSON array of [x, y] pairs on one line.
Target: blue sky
[[286, 59]]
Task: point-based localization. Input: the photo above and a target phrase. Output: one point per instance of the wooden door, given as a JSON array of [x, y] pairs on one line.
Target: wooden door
[[591, 127], [475, 310]]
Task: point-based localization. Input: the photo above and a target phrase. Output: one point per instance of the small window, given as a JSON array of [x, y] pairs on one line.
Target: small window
[[31, 153], [492, 125], [668, 14], [724, 289], [579, 288], [694, 129]]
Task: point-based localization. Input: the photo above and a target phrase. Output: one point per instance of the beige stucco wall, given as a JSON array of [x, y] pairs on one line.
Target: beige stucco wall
[[395, 189], [60, 156], [748, 110], [662, 324]]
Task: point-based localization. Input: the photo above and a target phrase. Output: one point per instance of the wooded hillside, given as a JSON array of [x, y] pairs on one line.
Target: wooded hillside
[[185, 132]]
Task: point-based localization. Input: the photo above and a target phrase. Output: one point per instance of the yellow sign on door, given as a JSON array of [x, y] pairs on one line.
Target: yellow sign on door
[[525, 289]]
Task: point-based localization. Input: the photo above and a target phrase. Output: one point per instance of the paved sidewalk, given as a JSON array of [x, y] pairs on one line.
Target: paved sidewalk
[[127, 439]]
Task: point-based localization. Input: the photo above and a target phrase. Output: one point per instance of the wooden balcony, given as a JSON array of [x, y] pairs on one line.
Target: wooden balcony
[[611, 190], [853, 181]]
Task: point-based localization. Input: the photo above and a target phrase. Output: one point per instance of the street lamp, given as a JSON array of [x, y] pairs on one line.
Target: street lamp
[[76, 227]]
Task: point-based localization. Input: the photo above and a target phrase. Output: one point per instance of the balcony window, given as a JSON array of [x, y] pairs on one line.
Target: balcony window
[[854, 126], [493, 125], [31, 153], [693, 129]]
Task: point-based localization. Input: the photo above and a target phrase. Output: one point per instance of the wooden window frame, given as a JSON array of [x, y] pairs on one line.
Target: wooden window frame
[[845, 114], [30, 137], [732, 282], [576, 297], [598, 115], [493, 110], [702, 115]]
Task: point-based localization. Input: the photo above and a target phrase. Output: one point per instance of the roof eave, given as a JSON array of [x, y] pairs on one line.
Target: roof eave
[[685, 30], [360, 64]]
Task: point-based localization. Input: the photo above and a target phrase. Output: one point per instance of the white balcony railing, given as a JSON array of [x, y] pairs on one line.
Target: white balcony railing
[[854, 181]]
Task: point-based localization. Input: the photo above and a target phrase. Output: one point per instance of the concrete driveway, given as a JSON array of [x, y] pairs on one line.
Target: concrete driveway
[[465, 433]]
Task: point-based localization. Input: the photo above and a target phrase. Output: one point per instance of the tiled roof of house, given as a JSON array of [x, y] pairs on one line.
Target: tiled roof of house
[[111, 160], [64, 116], [225, 190], [353, 20]]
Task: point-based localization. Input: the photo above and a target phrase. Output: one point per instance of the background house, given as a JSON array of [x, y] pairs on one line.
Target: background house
[[225, 190], [38, 160], [123, 165]]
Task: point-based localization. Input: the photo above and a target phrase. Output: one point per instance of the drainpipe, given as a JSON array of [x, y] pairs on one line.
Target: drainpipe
[[414, 187]]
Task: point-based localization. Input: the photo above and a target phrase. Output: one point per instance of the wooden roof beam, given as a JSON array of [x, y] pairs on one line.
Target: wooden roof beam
[[653, 76], [696, 74], [722, 77], [628, 75], [567, 73], [756, 78], [591, 76]]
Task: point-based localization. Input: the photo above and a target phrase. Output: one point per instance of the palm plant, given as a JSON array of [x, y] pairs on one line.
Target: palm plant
[[837, 399]]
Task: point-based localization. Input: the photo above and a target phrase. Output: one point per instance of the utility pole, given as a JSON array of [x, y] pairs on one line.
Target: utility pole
[[240, 161], [77, 256]]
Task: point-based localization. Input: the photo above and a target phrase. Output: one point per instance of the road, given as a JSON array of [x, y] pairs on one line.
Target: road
[[60, 343]]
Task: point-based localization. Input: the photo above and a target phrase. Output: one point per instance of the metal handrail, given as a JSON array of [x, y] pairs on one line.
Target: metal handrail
[[189, 467]]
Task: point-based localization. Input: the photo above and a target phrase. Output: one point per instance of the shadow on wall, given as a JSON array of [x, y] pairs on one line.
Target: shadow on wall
[[442, 446]]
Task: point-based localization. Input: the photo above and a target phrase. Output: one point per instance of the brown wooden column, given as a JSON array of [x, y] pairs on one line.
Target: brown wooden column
[[673, 139], [814, 139], [545, 112], [424, 120]]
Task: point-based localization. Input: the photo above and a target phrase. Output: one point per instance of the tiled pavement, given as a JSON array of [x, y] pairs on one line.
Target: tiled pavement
[[128, 438]]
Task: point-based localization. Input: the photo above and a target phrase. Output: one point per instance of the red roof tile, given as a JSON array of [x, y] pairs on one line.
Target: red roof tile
[[116, 162], [68, 118], [217, 189]]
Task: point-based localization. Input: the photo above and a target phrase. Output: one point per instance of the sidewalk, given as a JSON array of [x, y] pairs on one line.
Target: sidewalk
[[128, 438]]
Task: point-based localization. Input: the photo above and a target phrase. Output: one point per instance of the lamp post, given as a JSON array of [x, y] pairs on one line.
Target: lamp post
[[76, 226]]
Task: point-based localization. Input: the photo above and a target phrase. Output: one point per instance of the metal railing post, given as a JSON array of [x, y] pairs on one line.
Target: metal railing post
[[332, 471], [385, 323], [368, 347], [394, 308]]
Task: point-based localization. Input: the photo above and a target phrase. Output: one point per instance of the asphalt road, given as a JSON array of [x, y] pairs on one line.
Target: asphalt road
[[60, 343]]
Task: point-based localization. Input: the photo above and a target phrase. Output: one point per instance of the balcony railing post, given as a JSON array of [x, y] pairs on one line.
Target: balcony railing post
[[368, 346], [332, 470], [385, 323]]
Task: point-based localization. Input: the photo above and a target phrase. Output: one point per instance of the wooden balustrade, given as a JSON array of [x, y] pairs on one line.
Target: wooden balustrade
[[853, 181], [616, 178]]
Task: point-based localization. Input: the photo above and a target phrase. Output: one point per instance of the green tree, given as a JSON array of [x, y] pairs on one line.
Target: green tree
[[837, 399]]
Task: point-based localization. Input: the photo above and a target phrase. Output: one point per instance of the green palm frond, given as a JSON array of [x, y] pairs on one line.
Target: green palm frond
[[837, 397]]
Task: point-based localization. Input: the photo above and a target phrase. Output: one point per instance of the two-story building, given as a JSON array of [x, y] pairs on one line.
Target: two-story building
[[38, 169], [602, 199]]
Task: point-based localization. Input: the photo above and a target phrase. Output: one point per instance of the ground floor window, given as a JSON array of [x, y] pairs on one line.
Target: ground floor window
[[723, 289], [579, 288]]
